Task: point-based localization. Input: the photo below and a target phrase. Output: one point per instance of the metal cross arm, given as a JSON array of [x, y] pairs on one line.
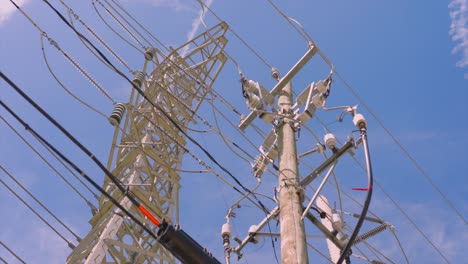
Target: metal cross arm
[[281, 83], [338, 153]]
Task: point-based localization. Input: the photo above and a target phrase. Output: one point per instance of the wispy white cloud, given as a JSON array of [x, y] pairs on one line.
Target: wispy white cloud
[[7, 9], [459, 30], [196, 23]]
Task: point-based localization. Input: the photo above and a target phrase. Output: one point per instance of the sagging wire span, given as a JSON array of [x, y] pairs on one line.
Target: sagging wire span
[[113, 30], [92, 207], [118, 22], [413, 161], [40, 203], [400, 209], [44, 55], [12, 252], [70, 244], [114, 54], [142, 93], [133, 200], [202, 15], [238, 36]]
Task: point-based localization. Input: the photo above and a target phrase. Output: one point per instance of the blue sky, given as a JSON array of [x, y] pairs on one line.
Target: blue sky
[[407, 60]]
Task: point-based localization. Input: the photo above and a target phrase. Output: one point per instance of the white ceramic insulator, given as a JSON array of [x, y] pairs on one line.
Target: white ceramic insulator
[[359, 121], [226, 230], [251, 86], [330, 141], [254, 101]]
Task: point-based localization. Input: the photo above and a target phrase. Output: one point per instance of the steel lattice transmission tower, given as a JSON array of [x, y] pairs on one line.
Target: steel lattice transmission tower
[[147, 150]]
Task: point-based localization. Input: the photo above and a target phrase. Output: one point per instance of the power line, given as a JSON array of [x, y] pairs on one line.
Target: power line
[[12, 252], [40, 203], [239, 37], [139, 24], [395, 204], [82, 173], [70, 245], [171, 120], [307, 37], [44, 55], [96, 36], [142, 93], [52, 167], [113, 30], [115, 19]]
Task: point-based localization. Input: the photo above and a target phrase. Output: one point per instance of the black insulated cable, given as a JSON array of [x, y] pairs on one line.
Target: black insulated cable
[[346, 251], [75, 167]]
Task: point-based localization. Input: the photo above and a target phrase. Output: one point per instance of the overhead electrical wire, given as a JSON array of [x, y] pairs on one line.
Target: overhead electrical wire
[[361, 101], [66, 55], [238, 37], [128, 23], [380, 187], [124, 191], [40, 203], [171, 120], [12, 252], [70, 244], [113, 30], [53, 168], [139, 24], [114, 54], [118, 22], [44, 55], [81, 36]]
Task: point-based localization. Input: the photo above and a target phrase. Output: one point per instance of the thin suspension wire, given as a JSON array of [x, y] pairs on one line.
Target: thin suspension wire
[[144, 211], [292, 21], [4, 260], [114, 31], [307, 37], [121, 24], [44, 55], [70, 245], [400, 245], [128, 23], [239, 37], [319, 252], [403, 149], [52, 167], [40, 203], [142, 93], [139, 24], [202, 14], [12, 252], [114, 54], [376, 182]]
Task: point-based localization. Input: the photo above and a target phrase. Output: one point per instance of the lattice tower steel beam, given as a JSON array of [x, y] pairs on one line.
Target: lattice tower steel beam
[[146, 152]]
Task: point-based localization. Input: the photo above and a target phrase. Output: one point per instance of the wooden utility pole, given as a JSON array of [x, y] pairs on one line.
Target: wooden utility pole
[[293, 240]]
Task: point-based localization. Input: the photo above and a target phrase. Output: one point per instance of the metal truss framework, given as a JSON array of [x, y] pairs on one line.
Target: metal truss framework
[[149, 155]]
